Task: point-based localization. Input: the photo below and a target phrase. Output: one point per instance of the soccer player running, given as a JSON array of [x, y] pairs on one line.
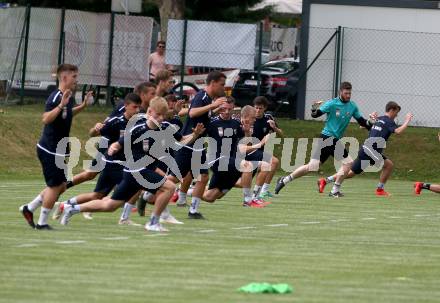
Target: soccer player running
[[199, 112], [419, 186], [371, 152], [139, 172], [264, 124], [57, 120], [111, 175], [339, 112], [227, 169]]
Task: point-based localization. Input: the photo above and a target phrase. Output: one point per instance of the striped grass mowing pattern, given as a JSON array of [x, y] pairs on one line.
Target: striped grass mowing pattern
[[329, 250]]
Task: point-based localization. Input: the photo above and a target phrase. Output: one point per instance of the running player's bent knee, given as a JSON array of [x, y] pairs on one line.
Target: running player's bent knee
[[313, 165]]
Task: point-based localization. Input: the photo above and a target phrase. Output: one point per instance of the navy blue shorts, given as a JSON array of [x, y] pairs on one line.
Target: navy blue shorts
[[364, 160], [183, 159], [225, 178], [336, 150], [129, 186], [53, 175], [109, 177]]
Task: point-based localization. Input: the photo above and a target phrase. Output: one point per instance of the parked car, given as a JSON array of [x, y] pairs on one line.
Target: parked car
[[274, 77]]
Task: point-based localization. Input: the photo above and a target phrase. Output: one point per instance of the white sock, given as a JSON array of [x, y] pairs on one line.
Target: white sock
[[44, 215], [72, 201], [247, 196], [76, 209], [182, 197], [256, 192], [336, 188], [265, 188], [126, 211], [330, 179], [147, 195], [195, 202], [34, 204], [165, 213], [287, 179]]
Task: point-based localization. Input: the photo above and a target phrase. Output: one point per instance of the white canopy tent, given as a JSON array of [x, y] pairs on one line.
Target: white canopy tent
[[293, 7]]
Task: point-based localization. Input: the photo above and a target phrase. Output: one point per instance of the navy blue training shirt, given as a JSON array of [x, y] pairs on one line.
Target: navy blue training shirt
[[60, 127], [383, 128], [200, 99], [220, 129]]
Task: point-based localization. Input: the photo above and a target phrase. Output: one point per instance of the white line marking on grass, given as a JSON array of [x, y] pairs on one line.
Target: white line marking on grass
[[403, 278], [369, 218], [244, 227], [277, 225], [422, 215], [339, 220], [71, 242], [311, 222], [157, 235], [27, 245], [394, 217], [115, 238], [206, 231]]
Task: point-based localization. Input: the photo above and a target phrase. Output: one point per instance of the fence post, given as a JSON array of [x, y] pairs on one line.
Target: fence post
[[183, 54], [26, 42], [338, 57], [260, 51], [61, 44], [110, 58]]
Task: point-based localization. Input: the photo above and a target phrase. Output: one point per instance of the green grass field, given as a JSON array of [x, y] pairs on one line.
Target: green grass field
[[360, 248]]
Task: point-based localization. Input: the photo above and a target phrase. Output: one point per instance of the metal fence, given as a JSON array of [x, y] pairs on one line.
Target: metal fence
[[382, 65]]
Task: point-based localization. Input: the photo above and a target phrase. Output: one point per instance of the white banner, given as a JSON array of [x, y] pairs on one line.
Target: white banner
[[282, 43], [212, 44]]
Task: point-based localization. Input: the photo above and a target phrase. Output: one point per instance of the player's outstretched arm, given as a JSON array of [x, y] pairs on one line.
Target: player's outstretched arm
[[316, 112], [198, 111], [197, 131], [402, 127]]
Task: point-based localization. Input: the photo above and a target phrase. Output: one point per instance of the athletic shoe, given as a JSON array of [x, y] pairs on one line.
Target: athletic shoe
[[418, 186], [67, 214], [197, 216], [174, 197], [261, 201], [140, 205], [337, 194], [156, 227], [253, 204], [43, 227], [279, 186], [381, 192], [87, 215], [170, 219], [134, 209], [182, 204], [59, 207], [266, 194], [128, 222], [28, 215], [321, 185]]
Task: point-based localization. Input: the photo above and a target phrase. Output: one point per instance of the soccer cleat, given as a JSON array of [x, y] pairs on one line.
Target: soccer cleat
[[87, 215], [140, 205], [266, 194], [280, 184], [170, 219], [128, 222], [59, 207], [381, 192], [67, 214], [418, 186], [253, 204], [28, 215], [43, 227], [174, 197], [261, 201], [321, 185], [337, 194], [155, 227], [197, 216]]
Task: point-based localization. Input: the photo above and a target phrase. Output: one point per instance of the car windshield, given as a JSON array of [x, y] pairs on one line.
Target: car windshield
[[281, 66]]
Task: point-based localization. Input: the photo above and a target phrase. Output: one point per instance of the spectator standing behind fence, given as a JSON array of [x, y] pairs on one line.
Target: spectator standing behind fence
[[156, 61]]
